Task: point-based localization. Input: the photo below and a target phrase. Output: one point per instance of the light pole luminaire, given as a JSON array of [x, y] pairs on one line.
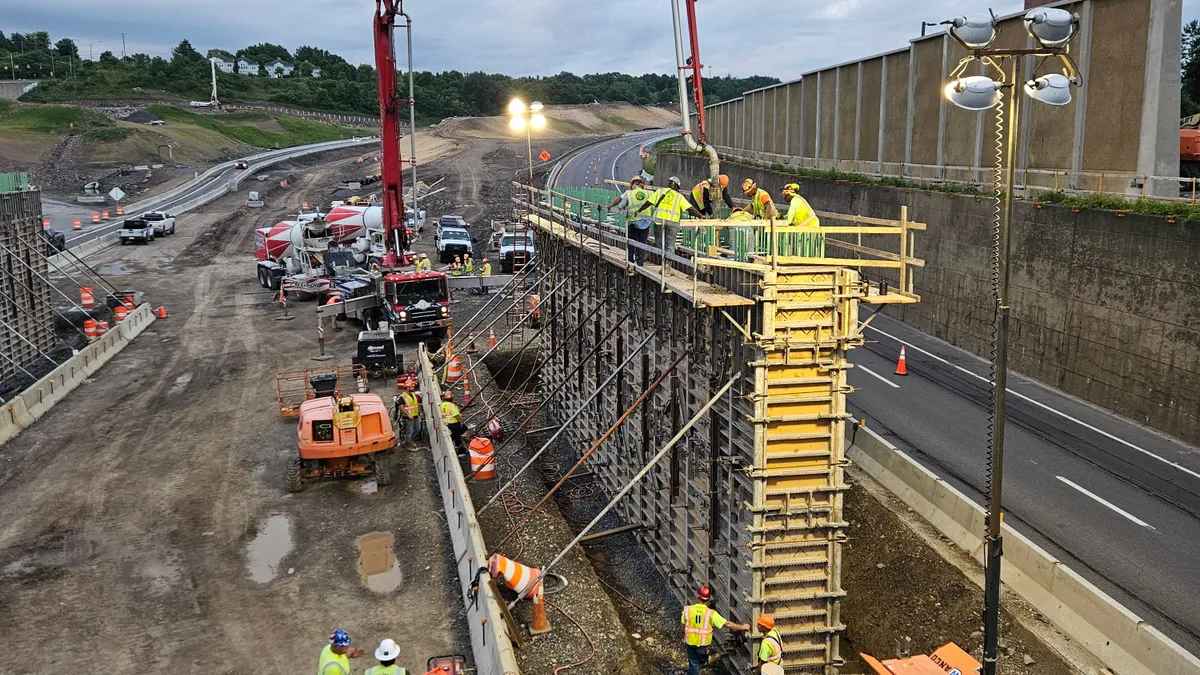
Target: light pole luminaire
[[525, 119], [1053, 29]]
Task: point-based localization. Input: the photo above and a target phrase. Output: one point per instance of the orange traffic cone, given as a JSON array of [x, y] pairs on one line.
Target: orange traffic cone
[[466, 391], [902, 364], [519, 577], [471, 343], [162, 312], [491, 339]]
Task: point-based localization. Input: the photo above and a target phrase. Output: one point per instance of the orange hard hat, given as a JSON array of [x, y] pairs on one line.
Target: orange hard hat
[[766, 621], [724, 180], [748, 185]]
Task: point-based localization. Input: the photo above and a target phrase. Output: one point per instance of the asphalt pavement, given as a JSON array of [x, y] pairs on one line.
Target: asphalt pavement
[[617, 159], [1117, 502]]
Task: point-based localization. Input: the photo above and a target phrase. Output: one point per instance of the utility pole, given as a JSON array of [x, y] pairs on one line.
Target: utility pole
[[122, 46]]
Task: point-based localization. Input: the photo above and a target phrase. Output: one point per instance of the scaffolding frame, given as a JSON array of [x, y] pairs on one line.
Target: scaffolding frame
[[750, 501]]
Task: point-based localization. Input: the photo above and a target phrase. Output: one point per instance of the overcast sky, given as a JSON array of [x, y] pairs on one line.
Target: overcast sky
[[783, 38]]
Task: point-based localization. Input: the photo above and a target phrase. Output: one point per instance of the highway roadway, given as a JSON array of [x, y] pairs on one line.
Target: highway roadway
[[214, 182], [617, 159], [1118, 503]]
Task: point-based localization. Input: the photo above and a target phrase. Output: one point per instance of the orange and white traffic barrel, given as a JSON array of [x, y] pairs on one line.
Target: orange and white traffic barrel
[[119, 313], [483, 459], [454, 371], [91, 329], [86, 299]]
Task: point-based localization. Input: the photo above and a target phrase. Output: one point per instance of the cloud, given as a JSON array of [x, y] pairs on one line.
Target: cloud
[[518, 37]]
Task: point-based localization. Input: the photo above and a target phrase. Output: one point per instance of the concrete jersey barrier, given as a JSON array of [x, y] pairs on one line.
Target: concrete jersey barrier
[[1120, 639], [27, 407], [490, 644]]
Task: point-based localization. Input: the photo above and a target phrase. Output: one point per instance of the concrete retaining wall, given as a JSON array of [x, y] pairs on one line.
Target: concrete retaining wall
[[1104, 304], [1119, 638], [492, 649], [26, 408]]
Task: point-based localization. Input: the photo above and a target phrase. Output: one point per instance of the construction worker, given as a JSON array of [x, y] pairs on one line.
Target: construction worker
[[423, 263], [770, 650], [535, 308], [387, 652], [456, 266], [761, 206], [335, 658], [485, 270], [669, 204], [468, 264], [408, 411], [799, 214], [702, 195], [638, 227], [698, 622], [451, 415]]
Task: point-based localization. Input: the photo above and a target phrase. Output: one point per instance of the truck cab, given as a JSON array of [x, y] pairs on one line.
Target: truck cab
[[404, 302], [452, 241], [516, 250], [135, 229]]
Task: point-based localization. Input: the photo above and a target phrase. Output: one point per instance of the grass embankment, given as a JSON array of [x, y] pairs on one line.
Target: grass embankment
[[248, 127], [60, 119]]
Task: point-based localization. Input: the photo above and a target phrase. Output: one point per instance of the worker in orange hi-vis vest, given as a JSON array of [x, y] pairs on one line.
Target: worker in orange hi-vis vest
[[699, 621]]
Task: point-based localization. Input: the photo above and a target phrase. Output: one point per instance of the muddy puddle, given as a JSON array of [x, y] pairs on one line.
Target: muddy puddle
[[377, 564], [114, 269], [265, 553]]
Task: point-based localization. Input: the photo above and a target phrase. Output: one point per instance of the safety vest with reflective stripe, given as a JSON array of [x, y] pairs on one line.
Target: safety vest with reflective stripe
[[697, 625], [759, 202], [333, 664], [410, 405], [635, 198], [450, 412], [771, 650], [486, 270], [386, 670], [424, 265], [469, 265], [698, 192], [670, 205], [800, 214]]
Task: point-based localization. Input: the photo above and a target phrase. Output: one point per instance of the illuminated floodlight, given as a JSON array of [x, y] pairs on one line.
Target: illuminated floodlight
[[516, 107], [976, 92], [517, 124], [537, 121]]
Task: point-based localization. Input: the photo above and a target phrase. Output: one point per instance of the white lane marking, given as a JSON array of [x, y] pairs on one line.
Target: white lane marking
[[618, 159], [1109, 504], [878, 376], [1045, 407]]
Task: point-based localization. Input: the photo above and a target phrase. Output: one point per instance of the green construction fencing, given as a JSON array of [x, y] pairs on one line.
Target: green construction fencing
[[14, 182]]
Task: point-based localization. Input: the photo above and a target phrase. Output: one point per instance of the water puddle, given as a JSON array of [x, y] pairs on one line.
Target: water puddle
[[268, 548], [115, 269], [377, 564]]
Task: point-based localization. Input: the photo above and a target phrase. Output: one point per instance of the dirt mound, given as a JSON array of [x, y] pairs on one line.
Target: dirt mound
[[140, 117]]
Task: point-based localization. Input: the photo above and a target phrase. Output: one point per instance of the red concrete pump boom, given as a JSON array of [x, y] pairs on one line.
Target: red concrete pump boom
[[391, 177]]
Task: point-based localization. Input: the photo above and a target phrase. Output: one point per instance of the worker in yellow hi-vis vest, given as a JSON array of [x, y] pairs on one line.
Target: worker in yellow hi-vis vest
[[699, 621]]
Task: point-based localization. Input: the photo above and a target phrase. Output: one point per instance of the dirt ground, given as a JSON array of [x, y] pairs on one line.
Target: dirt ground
[[145, 517]]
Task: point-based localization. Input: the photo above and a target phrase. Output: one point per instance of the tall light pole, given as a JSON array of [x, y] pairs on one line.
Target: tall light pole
[[1052, 29], [524, 119]]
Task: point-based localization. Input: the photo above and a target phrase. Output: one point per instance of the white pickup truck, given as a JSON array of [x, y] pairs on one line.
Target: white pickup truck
[[136, 229], [163, 222]]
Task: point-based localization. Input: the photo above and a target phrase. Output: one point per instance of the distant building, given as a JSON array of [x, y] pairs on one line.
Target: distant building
[[277, 68], [316, 72], [247, 67], [225, 61]]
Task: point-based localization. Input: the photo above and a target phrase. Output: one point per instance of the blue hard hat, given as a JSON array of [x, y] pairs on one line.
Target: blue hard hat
[[339, 638]]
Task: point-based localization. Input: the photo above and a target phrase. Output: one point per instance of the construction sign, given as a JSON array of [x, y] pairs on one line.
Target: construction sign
[[544, 156]]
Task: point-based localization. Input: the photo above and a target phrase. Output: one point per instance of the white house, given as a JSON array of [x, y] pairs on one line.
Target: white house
[[277, 68], [224, 61], [316, 72], [247, 67]]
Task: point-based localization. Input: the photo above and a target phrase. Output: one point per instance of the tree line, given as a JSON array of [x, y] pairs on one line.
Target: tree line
[[342, 86]]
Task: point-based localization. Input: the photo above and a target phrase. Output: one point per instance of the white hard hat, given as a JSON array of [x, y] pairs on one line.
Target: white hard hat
[[772, 669], [388, 650]]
